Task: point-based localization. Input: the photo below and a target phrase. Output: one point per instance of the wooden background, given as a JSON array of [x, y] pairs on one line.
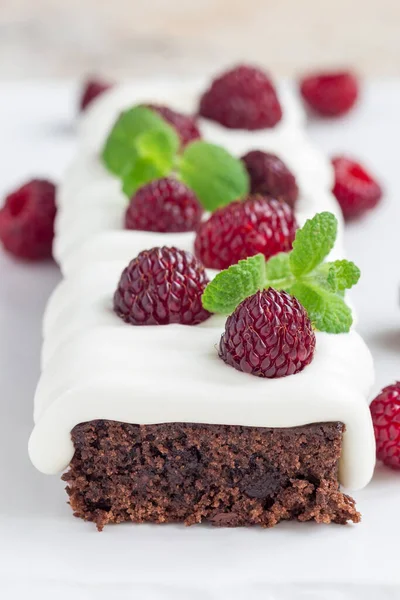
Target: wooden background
[[40, 38]]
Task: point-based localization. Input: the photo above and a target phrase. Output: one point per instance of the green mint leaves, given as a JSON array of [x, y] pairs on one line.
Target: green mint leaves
[[127, 139], [318, 286], [142, 147], [313, 243], [215, 176], [233, 285]]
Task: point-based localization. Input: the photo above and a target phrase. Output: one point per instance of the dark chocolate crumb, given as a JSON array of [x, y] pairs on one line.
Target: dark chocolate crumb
[[229, 476]]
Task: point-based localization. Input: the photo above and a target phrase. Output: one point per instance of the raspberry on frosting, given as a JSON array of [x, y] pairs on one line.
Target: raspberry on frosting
[[185, 125], [164, 205], [270, 176], [242, 98], [162, 286], [245, 228], [27, 220], [268, 335], [385, 412], [355, 189], [330, 94]]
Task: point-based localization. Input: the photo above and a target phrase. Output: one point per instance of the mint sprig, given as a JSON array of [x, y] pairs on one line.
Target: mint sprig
[[235, 284], [213, 174], [129, 140], [313, 243], [153, 158], [142, 147], [319, 286]]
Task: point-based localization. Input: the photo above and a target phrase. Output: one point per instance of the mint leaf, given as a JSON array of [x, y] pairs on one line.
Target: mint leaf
[[313, 243], [152, 158], [327, 311], [213, 174], [230, 287], [121, 148], [142, 171], [277, 271], [160, 146], [118, 156], [340, 274]]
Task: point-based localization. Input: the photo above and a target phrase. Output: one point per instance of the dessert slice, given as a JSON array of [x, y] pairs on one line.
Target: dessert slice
[[163, 430], [162, 409]]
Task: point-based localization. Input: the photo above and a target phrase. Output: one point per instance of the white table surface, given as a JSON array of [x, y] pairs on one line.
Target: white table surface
[[47, 554]]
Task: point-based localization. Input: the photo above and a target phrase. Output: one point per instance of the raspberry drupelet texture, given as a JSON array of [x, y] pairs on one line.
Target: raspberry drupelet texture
[[185, 125], [330, 94], [162, 286], [385, 412], [245, 228], [270, 176], [27, 220], [164, 205], [92, 88], [242, 98], [355, 189], [268, 335]]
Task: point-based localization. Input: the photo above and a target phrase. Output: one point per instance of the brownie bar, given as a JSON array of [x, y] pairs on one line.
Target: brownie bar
[[226, 475]]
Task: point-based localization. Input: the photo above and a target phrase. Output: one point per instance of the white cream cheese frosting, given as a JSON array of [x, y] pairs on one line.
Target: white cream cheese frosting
[[97, 367]]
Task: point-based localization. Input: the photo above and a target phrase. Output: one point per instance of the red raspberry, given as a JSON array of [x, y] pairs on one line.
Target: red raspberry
[[27, 220], [245, 228], [355, 189], [268, 335], [161, 286], [270, 176], [185, 125], [91, 89], [164, 205], [385, 412], [330, 94], [243, 98]]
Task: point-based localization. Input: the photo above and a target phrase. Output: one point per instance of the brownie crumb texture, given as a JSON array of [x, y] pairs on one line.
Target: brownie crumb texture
[[228, 476]]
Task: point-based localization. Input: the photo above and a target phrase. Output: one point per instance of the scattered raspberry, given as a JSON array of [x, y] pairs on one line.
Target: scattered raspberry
[[385, 411], [270, 176], [27, 220], [91, 89], [161, 286], [355, 189], [330, 94], [185, 125], [243, 229], [243, 98], [268, 335], [164, 205]]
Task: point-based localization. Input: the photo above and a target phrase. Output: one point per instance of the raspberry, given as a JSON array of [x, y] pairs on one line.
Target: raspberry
[[268, 335], [161, 286], [91, 89], [27, 220], [385, 412], [270, 176], [185, 125], [243, 98], [245, 228], [164, 205], [330, 94], [355, 189]]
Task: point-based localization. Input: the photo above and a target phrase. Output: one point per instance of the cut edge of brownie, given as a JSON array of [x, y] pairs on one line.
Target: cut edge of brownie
[[226, 475]]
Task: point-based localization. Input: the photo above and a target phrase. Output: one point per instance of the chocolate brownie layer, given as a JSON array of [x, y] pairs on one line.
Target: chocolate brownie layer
[[226, 475]]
